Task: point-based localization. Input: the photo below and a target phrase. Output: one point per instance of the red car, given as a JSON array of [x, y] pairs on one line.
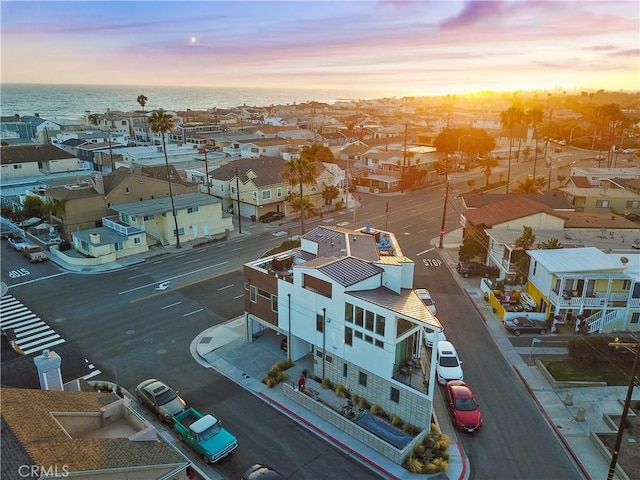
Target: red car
[[463, 406]]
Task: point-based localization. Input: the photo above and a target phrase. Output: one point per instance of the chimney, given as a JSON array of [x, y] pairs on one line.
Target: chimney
[[98, 183], [48, 365]]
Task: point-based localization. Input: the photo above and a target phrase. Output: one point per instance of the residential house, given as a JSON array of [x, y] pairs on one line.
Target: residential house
[[53, 433], [36, 160], [266, 147], [42, 129], [77, 206], [199, 216], [609, 197], [15, 131], [603, 288], [346, 298], [261, 188]]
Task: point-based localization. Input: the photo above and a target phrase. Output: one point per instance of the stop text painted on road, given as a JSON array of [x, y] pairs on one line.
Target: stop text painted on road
[[22, 272], [432, 262]]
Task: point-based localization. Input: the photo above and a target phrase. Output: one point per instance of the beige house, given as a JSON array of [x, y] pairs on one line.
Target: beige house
[[606, 198], [36, 160]]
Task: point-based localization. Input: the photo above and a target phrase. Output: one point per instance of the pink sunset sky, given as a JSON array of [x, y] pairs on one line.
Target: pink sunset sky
[[393, 47]]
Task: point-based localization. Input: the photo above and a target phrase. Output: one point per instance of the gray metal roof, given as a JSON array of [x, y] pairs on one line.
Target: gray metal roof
[[158, 206], [107, 236], [564, 260], [346, 271], [406, 304]]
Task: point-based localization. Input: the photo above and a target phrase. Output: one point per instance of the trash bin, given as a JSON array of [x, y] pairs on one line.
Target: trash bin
[[253, 218]]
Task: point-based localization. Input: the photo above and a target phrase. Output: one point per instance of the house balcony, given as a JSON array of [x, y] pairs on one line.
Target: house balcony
[[114, 223], [596, 300]]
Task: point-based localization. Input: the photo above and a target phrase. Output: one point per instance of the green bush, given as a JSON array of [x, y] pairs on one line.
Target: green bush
[[431, 455]]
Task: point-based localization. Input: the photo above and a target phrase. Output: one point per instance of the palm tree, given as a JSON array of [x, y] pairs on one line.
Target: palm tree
[[161, 122], [142, 100], [302, 206], [535, 117], [526, 185], [299, 171], [488, 163], [510, 119]]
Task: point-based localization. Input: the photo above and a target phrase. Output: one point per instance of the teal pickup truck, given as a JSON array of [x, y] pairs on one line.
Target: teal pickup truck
[[204, 434]]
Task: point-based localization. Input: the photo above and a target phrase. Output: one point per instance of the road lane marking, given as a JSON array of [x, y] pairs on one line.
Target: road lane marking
[[238, 296], [225, 287], [193, 261], [173, 278], [136, 276], [170, 305], [37, 279], [191, 313], [236, 249], [425, 251]]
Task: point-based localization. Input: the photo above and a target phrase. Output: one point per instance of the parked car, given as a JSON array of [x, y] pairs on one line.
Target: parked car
[[425, 296], [271, 217], [448, 365], [525, 325], [34, 253], [161, 399], [205, 434], [475, 269], [6, 233], [261, 472], [463, 406], [17, 243]]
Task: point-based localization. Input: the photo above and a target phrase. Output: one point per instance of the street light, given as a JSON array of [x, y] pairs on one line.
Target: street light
[[625, 409]]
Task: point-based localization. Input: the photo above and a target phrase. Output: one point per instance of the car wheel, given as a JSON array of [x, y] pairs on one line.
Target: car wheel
[[161, 417], [205, 458], [543, 331], [516, 333], [180, 437]]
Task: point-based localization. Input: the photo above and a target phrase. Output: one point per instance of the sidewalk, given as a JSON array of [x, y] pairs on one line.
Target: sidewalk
[[225, 349]]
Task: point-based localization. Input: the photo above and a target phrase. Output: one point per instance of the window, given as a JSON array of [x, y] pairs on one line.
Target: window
[[274, 303], [289, 190], [148, 217], [632, 204], [380, 323], [626, 285], [17, 166], [192, 210], [362, 379], [345, 369], [233, 189], [127, 190], [253, 294], [359, 315], [370, 316], [635, 317], [368, 339], [266, 195], [222, 187], [254, 195], [348, 313], [602, 203], [319, 323], [119, 246], [395, 395], [357, 334], [181, 230], [348, 336], [279, 191], [137, 241], [85, 245]]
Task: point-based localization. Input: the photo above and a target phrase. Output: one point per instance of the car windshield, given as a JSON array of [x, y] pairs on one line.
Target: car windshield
[[448, 361], [165, 397], [210, 432], [465, 404]]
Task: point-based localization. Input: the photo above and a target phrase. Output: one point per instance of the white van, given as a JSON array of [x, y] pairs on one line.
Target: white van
[[448, 365]]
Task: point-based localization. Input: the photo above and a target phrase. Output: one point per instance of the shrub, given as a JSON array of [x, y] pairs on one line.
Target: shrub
[[413, 464], [377, 410], [396, 420], [431, 453], [340, 390], [276, 375], [362, 403], [326, 383]]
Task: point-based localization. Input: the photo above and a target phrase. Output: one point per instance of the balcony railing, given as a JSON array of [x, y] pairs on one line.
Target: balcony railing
[[598, 300], [114, 223]]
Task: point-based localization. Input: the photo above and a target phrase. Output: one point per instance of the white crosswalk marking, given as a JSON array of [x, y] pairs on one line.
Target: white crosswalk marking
[[31, 333]]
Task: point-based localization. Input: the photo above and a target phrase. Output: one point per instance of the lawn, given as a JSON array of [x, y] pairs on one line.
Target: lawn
[[571, 371]]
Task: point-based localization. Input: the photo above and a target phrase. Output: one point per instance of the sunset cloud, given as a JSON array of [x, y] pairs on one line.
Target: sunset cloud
[[403, 47]]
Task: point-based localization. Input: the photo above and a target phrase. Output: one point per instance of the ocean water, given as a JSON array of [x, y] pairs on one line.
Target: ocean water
[[72, 101]]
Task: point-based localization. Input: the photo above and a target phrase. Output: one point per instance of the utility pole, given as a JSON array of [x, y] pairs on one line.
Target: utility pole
[[625, 409], [206, 168], [404, 159], [386, 220], [238, 195], [446, 198]]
